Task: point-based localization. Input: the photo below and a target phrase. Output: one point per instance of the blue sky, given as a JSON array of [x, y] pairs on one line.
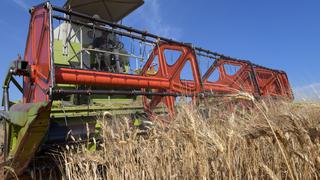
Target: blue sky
[[281, 34]]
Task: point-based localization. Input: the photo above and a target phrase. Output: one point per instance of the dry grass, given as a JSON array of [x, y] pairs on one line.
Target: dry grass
[[271, 141]]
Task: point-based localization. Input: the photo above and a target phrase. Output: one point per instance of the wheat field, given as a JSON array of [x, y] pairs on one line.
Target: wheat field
[[271, 140]]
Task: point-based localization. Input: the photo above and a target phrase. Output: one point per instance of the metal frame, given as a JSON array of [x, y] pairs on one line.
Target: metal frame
[[138, 34], [166, 83]]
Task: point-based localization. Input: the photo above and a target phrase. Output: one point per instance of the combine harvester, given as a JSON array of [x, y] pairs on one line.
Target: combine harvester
[[80, 64]]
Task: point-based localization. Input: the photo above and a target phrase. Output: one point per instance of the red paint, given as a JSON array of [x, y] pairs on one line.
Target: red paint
[[37, 53]]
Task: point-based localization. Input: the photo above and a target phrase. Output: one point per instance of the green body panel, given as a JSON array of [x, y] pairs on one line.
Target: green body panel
[[27, 127], [115, 106], [62, 58], [20, 118]]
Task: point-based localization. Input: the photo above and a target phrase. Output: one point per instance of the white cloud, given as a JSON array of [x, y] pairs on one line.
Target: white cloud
[[150, 18], [309, 92], [21, 4]]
